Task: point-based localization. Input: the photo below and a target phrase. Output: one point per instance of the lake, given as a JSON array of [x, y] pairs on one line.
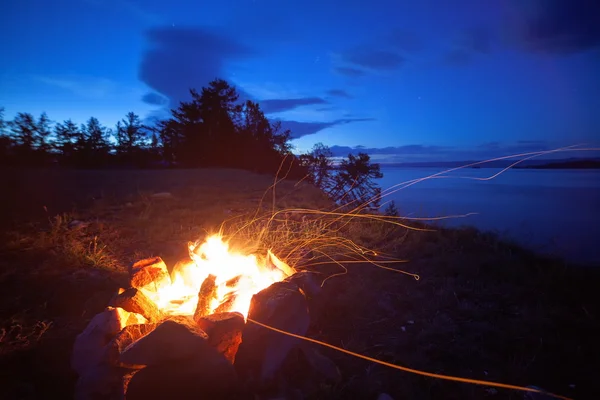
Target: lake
[[555, 212]]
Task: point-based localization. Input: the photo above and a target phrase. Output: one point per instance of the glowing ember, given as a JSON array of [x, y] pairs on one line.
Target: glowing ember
[[238, 278]]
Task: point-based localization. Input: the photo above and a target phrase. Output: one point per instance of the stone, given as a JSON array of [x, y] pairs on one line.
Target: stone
[[127, 336], [89, 346], [307, 282], [204, 375], [224, 332], [173, 339], [262, 351], [100, 382], [310, 284], [150, 274], [135, 301]]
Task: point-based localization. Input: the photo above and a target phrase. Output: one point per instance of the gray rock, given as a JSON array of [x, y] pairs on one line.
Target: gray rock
[[122, 340], [174, 339], [308, 282], [101, 382], [224, 332], [205, 374], [262, 351], [89, 346]]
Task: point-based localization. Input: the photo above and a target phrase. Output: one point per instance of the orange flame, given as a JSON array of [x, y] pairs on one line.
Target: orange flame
[[238, 278]]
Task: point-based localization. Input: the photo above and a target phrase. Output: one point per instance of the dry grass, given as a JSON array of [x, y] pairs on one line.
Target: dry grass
[[482, 308]]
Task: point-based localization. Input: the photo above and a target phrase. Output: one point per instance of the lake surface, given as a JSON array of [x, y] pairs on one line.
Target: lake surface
[[555, 212]]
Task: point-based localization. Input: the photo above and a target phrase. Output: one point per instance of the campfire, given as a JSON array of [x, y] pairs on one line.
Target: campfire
[[171, 334], [214, 280]]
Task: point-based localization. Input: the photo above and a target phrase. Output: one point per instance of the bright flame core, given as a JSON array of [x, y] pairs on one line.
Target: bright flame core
[[238, 278]]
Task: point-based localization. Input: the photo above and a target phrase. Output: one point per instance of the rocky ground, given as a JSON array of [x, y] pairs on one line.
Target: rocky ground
[[482, 309]]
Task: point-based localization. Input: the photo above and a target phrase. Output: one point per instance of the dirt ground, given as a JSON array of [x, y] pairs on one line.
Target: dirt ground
[[482, 309]]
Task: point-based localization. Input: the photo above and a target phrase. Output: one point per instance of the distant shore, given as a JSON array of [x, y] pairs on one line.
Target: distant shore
[[527, 164]]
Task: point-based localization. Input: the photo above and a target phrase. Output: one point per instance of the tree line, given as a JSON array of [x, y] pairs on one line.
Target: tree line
[[213, 129]]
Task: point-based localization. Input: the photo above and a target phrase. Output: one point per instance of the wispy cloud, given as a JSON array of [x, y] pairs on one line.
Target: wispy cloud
[[373, 59], [80, 85], [349, 71], [272, 106], [300, 129], [155, 99], [339, 93], [431, 153]]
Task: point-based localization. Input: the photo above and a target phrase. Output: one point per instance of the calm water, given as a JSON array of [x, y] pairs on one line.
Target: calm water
[[551, 211]]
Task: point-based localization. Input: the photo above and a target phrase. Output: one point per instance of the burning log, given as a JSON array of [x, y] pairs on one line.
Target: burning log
[[206, 295], [227, 303], [224, 332], [150, 274], [134, 300]]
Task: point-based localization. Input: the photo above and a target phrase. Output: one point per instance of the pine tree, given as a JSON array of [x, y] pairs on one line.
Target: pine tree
[[66, 135], [23, 128], [43, 132], [130, 134]]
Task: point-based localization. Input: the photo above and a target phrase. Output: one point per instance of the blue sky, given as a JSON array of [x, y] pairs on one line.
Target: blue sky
[[407, 81]]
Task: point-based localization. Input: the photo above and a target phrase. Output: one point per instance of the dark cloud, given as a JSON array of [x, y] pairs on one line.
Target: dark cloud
[[428, 153], [182, 58], [561, 27], [392, 150], [280, 105], [300, 129], [339, 93], [324, 109], [349, 71], [154, 99], [373, 59]]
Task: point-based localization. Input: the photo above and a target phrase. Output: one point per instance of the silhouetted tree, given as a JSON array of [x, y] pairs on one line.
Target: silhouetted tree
[[207, 125], [320, 166], [350, 184], [130, 136], [391, 210], [93, 146], [261, 145], [354, 182], [6, 142], [23, 129], [67, 135], [172, 139], [43, 131]]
